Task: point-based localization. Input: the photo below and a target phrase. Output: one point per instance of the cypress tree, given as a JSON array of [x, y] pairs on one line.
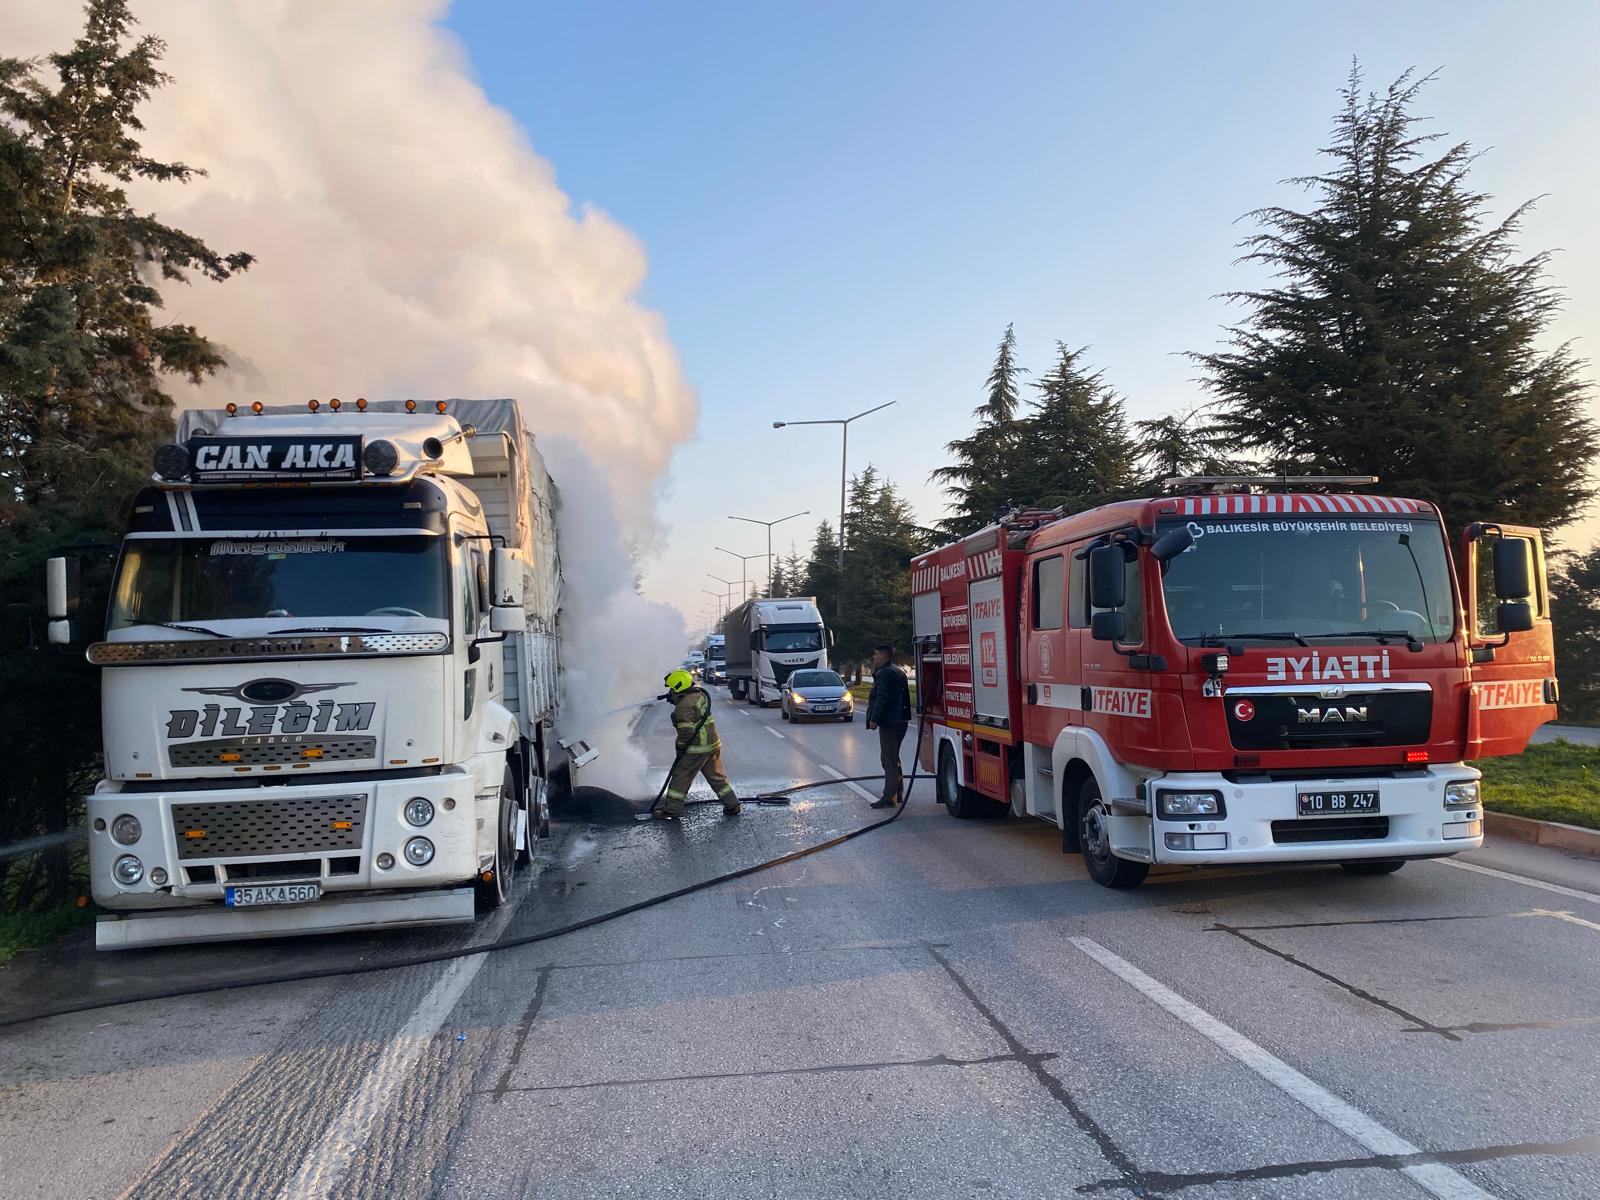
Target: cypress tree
[[978, 477]]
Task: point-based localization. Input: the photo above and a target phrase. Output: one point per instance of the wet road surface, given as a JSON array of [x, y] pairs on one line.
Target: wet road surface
[[940, 1008]]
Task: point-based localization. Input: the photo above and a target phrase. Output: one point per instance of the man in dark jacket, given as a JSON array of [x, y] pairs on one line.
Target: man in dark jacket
[[889, 712]]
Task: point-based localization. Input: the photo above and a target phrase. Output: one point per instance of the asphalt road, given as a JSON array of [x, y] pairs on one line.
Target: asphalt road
[[939, 1008]]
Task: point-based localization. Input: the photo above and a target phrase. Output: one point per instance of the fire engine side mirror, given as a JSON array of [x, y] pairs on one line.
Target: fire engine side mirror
[[1107, 581], [1513, 570], [507, 584], [1171, 544], [1514, 617], [1108, 627]]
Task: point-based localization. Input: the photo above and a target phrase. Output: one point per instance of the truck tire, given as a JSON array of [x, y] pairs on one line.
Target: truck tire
[[1105, 868], [492, 893], [1374, 866], [961, 802]]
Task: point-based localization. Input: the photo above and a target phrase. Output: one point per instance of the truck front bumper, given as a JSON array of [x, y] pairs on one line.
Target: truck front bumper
[[1262, 824]]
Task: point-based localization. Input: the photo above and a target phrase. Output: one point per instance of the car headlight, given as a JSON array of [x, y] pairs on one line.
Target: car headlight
[[419, 811], [126, 830], [1464, 793], [796, 698], [1189, 804], [419, 852], [127, 870]]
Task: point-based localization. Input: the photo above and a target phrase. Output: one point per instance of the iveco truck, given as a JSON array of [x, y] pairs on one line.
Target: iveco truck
[[768, 640], [331, 673]]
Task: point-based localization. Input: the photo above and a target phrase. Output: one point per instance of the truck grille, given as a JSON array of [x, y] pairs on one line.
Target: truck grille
[[234, 752], [249, 828], [1331, 829]]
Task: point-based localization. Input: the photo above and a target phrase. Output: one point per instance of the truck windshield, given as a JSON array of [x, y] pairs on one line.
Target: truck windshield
[[177, 580], [795, 639], [1323, 577]]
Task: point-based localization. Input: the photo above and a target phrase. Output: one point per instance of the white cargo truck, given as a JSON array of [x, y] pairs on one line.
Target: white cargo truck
[[331, 674], [766, 641]]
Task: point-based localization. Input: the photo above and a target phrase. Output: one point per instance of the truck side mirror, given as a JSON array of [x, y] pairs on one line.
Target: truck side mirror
[[1171, 544], [506, 586], [1108, 626], [62, 578], [1514, 617], [507, 620], [1513, 570], [1107, 582]]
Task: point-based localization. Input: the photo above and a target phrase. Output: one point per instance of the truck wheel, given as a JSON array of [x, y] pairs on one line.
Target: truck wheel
[[1374, 866], [492, 893], [961, 802], [1105, 868]]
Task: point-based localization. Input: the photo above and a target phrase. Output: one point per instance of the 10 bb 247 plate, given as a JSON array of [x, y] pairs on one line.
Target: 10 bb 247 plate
[[272, 893], [1338, 803]]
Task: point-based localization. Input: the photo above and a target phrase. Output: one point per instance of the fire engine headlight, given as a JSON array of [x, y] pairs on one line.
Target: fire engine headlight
[[1189, 804], [172, 461], [127, 870], [419, 852], [419, 811], [1464, 793], [380, 457], [126, 830]]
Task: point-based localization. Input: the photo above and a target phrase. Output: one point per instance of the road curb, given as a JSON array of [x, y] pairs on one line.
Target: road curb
[[1543, 833]]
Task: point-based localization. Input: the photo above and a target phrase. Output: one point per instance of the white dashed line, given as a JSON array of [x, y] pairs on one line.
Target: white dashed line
[[775, 733], [1435, 1178], [854, 787], [1522, 879]]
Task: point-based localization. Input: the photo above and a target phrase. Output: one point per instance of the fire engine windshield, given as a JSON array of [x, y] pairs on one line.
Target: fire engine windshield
[[1312, 578], [184, 580]]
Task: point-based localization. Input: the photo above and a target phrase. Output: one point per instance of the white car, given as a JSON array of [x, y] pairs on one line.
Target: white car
[[817, 696]]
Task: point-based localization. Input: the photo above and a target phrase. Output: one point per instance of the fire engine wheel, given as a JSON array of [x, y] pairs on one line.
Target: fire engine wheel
[[1374, 866], [492, 893], [1105, 868], [961, 802]]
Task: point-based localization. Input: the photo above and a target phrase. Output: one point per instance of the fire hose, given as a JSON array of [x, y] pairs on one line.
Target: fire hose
[[780, 795]]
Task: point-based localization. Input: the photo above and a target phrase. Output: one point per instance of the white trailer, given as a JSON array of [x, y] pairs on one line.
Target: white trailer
[[331, 674], [768, 640]]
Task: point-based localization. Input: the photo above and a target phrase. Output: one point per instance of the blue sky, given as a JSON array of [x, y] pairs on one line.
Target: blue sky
[[844, 204]]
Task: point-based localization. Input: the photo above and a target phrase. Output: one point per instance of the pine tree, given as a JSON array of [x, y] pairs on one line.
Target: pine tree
[[82, 357], [1182, 443], [977, 479], [1400, 338], [1575, 613], [1074, 448]]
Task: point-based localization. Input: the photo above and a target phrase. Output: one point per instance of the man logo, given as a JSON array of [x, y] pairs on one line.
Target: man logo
[[1354, 714], [1245, 710]]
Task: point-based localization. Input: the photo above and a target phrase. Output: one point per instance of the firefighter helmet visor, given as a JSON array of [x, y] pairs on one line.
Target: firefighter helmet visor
[[679, 681]]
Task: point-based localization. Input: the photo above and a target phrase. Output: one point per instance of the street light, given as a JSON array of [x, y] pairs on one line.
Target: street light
[[722, 599], [844, 459], [769, 525], [729, 584], [744, 586]]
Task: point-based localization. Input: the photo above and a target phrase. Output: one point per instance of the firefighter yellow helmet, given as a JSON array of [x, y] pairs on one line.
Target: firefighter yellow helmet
[[679, 682]]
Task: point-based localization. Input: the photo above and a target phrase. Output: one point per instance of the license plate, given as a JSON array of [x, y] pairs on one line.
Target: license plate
[[1338, 804], [273, 893], [823, 707]]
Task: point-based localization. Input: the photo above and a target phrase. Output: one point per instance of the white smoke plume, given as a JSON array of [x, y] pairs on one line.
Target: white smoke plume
[[410, 242]]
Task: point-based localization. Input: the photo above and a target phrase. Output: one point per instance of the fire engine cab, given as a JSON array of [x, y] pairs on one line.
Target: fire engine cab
[[1242, 670]]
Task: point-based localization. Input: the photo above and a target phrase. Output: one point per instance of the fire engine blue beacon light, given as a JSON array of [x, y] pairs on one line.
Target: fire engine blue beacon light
[[380, 457], [172, 461]]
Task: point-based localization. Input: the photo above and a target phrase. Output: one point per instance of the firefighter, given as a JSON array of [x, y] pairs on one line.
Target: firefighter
[[889, 712], [699, 751]]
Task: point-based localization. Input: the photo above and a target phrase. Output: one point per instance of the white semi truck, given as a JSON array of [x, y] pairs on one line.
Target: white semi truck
[[768, 640], [331, 674]]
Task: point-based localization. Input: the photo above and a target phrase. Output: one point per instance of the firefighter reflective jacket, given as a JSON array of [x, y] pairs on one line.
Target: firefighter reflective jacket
[[687, 713]]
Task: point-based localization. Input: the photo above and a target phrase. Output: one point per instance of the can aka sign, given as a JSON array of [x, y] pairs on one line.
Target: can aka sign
[[245, 460]]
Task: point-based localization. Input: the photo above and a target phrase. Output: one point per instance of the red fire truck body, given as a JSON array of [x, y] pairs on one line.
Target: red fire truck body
[[1233, 675]]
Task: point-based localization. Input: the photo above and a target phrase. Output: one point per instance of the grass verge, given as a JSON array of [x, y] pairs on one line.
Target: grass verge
[[1556, 781], [30, 930]]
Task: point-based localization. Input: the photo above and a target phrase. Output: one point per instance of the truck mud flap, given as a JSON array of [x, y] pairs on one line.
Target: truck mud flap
[[579, 752], [183, 926]]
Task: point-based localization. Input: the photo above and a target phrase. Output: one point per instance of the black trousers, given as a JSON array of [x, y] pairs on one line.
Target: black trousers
[[889, 738]]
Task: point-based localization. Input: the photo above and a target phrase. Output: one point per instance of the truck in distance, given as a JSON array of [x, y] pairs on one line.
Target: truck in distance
[[767, 640], [331, 674], [714, 667], [1243, 670]]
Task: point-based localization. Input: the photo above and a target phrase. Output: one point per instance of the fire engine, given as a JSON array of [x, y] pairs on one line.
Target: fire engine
[[1241, 670]]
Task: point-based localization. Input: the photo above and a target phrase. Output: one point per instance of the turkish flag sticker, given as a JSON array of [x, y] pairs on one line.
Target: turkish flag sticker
[[1245, 711]]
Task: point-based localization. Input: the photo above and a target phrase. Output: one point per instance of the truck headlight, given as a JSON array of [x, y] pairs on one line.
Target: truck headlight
[[1464, 793], [380, 457], [419, 852], [419, 811], [126, 830], [127, 870], [1189, 804]]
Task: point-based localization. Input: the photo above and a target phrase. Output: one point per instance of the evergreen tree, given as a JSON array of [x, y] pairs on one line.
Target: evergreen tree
[[978, 477], [1575, 613], [82, 357], [1074, 448], [1400, 337], [821, 573], [1182, 443]]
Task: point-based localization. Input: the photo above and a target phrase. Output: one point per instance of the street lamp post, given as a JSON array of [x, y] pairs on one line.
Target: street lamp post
[[721, 600], [769, 525], [727, 597], [844, 462], [744, 578]]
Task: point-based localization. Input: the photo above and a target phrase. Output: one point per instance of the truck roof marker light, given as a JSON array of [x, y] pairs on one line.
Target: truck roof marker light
[[232, 409], [440, 406], [361, 404], [411, 406], [1416, 756], [334, 404], [313, 405], [256, 406]]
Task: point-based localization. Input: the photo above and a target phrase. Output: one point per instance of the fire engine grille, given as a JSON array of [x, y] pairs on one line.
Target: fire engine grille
[[1331, 829], [248, 828], [233, 752]]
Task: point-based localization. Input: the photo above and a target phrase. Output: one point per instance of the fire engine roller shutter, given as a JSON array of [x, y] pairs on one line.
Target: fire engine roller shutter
[[991, 694], [925, 615]]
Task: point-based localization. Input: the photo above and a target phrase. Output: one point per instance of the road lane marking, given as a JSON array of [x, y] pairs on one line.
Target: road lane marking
[[1569, 918], [1435, 1178], [775, 733], [854, 787], [1557, 888]]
